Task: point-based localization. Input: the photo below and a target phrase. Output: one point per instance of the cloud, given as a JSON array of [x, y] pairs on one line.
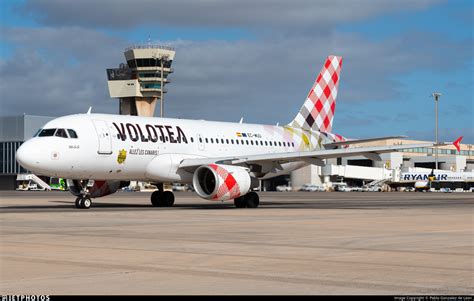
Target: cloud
[[57, 71], [123, 14], [62, 70]]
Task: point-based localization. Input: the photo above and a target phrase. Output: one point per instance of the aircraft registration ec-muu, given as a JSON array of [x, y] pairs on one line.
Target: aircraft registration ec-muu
[[100, 153]]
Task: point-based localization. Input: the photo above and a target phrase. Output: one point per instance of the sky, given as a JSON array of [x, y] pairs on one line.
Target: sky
[[251, 59]]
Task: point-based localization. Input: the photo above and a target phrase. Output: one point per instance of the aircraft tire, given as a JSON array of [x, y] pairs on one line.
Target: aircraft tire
[[78, 203], [240, 202], [86, 203], [167, 199], [252, 200], [155, 198]]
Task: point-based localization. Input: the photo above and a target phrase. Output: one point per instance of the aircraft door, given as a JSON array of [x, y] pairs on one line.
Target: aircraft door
[[103, 134], [200, 142]]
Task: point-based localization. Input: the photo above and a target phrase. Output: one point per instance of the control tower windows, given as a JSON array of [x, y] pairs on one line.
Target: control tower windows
[[132, 64], [151, 86], [152, 74], [150, 62]]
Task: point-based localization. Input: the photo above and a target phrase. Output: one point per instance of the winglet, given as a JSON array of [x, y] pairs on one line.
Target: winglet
[[457, 143], [89, 111]]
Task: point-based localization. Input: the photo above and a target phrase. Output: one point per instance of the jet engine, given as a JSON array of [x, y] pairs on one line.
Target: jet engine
[[95, 188], [218, 182]]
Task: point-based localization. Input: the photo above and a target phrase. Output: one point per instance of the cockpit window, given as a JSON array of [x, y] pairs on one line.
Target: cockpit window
[[46, 132], [72, 133], [61, 133], [37, 132]]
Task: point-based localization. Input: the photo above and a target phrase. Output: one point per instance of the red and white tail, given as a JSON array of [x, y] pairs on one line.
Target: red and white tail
[[457, 143], [318, 110]]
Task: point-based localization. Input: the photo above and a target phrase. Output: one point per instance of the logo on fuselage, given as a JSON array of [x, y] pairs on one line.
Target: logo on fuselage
[[122, 155], [150, 133], [424, 177]]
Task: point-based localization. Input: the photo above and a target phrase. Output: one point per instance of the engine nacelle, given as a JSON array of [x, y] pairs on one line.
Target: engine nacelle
[[95, 188], [219, 182]]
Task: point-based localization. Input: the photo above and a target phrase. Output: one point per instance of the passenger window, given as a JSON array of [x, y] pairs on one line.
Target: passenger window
[[61, 133], [47, 133], [192, 140], [222, 141], [217, 141], [212, 140], [227, 141], [207, 141], [72, 133]]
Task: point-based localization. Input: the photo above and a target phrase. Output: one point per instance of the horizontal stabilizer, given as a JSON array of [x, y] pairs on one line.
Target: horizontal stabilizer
[[348, 142]]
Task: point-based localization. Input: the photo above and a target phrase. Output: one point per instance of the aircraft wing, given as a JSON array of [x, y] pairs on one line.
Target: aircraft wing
[[348, 142], [273, 161]]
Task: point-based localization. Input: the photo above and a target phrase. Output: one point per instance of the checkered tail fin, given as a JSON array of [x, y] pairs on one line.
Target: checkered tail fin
[[319, 107]]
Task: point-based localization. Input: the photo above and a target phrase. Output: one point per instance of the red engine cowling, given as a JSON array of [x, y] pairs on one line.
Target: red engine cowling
[[219, 182], [97, 189]]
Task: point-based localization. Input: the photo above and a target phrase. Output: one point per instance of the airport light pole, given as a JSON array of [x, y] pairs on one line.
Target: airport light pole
[[162, 59], [436, 96], [161, 87]]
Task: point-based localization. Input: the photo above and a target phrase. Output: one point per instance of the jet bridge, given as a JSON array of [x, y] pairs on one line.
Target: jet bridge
[[357, 172]]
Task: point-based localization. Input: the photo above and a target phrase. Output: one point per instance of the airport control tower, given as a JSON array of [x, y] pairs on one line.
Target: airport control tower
[[141, 81]]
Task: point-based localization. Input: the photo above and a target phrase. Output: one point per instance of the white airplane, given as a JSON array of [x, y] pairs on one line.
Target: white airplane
[[100, 153], [422, 180]]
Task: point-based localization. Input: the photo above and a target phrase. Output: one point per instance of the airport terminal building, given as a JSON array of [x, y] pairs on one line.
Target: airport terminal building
[[362, 170], [14, 130]]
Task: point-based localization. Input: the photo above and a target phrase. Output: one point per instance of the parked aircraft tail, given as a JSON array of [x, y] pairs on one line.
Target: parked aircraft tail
[[457, 143]]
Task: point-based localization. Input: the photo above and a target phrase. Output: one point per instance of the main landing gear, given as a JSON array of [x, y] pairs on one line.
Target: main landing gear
[[161, 198], [250, 200]]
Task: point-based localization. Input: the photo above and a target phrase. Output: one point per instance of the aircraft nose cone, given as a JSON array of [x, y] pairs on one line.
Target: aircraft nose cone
[[26, 155]]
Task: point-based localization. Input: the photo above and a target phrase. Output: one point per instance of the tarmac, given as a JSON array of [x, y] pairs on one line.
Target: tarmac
[[294, 243]]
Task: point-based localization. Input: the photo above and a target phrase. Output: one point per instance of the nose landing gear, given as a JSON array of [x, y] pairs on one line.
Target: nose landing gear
[[83, 202], [81, 190]]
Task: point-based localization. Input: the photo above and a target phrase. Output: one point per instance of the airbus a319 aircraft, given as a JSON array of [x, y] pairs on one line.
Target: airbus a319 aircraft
[[100, 153]]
